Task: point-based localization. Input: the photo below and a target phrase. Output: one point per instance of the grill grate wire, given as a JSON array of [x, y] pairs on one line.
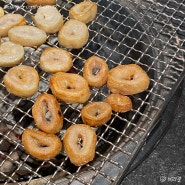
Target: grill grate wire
[[150, 33]]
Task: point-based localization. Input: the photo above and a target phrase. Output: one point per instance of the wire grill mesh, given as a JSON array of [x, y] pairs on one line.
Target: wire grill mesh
[[150, 33]]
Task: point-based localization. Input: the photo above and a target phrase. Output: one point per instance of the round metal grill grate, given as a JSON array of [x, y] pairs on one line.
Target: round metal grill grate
[[150, 33]]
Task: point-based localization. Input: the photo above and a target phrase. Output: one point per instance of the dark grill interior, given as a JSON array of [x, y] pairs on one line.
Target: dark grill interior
[[150, 33]]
